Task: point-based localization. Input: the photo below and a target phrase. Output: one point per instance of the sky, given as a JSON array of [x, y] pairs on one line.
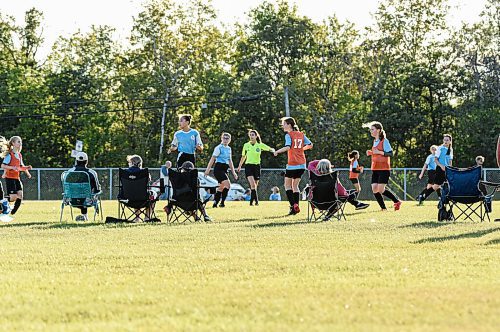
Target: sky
[[65, 17]]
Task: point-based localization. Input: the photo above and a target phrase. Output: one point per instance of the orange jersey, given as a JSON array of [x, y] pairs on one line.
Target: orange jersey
[[296, 154], [353, 175], [380, 162], [14, 162]]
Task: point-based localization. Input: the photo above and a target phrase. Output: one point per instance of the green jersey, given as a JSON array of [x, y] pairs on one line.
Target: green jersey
[[252, 151]]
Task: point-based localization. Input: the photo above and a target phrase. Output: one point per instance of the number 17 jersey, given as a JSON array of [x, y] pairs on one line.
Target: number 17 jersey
[[296, 140]]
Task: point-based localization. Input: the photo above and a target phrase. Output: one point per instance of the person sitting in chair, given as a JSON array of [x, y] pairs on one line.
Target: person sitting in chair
[[135, 165], [81, 166], [323, 167], [186, 167]]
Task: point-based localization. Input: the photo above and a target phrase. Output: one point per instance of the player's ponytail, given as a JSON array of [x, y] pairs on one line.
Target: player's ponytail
[[4, 148], [378, 126], [291, 121], [352, 155]]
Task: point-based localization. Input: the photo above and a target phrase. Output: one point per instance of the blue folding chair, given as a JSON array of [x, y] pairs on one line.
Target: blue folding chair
[[465, 190], [78, 193]]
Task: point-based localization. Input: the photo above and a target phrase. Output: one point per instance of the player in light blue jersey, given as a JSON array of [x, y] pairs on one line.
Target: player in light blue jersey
[[443, 158], [430, 166], [186, 141]]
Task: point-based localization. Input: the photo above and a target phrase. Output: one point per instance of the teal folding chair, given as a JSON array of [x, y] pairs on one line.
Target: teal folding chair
[[78, 193]]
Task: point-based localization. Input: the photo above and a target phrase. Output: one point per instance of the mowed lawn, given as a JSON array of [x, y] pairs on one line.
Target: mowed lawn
[[251, 269]]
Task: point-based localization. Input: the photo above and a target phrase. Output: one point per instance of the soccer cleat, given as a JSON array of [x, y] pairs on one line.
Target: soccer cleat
[[222, 205], [215, 205], [420, 200], [296, 208], [397, 205], [292, 211], [362, 206], [207, 218]]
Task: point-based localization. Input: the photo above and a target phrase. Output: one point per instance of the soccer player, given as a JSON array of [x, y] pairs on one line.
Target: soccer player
[[355, 169], [381, 153], [186, 141], [430, 166], [251, 158], [13, 165], [443, 158], [222, 157], [295, 145]]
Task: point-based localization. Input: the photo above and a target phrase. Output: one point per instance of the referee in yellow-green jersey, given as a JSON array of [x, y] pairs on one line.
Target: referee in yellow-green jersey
[[251, 158]]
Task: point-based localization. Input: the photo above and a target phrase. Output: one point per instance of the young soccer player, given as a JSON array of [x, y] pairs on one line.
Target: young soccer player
[[295, 145], [381, 153], [430, 166], [13, 165], [223, 161], [5, 207], [186, 140], [443, 158], [251, 158], [355, 169]]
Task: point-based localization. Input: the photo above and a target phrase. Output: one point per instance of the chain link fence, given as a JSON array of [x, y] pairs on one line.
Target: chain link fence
[[45, 183]]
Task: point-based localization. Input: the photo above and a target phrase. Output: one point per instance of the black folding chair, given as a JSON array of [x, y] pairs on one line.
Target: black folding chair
[[323, 200], [184, 202], [465, 191], [135, 196]]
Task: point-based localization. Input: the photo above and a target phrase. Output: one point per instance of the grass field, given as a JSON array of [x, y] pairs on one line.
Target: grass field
[[252, 269]]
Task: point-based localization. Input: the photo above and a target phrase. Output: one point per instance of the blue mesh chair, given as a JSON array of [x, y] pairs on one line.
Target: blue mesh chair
[[78, 193], [465, 191]]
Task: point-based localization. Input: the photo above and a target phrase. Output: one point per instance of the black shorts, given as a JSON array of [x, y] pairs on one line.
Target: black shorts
[[381, 177], [440, 176], [183, 157], [354, 180], [431, 176], [252, 170], [220, 172], [294, 173], [13, 186]]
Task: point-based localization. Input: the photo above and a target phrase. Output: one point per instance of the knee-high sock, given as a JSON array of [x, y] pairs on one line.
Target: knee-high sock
[[389, 194], [224, 195], [428, 192], [289, 196], [439, 192], [17, 204], [217, 196], [296, 198], [423, 193], [380, 200], [254, 195]]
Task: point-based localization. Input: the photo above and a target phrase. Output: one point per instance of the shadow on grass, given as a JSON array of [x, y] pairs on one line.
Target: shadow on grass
[[470, 235], [280, 224], [426, 224], [492, 242], [52, 225]]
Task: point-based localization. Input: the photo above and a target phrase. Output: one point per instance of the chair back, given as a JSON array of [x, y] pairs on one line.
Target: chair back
[[184, 185], [463, 182], [76, 185], [133, 185], [324, 188]]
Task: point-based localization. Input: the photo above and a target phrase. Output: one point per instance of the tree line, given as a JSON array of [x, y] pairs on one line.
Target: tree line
[[411, 71]]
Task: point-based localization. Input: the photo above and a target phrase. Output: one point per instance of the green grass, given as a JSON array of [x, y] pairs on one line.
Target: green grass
[[252, 269]]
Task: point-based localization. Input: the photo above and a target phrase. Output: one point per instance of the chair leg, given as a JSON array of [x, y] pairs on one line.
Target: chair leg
[[62, 210]]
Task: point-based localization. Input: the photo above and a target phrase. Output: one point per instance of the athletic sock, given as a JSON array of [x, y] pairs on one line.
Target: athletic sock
[[289, 196], [296, 198], [389, 194], [217, 197], [428, 192], [380, 200], [17, 204], [224, 195], [439, 192], [254, 195], [422, 194]]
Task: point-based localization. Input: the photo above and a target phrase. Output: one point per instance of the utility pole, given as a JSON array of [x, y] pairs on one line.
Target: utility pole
[[287, 104]]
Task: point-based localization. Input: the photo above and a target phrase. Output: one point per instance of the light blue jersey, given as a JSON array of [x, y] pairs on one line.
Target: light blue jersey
[[222, 154], [431, 162], [8, 158], [187, 141], [443, 156], [387, 145]]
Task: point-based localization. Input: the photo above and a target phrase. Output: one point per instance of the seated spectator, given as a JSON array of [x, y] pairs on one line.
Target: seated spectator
[[275, 194], [323, 166], [81, 166], [135, 165], [479, 160]]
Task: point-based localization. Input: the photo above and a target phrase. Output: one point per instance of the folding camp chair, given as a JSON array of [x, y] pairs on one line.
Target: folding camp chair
[[184, 203], [465, 190], [78, 193], [323, 200], [135, 196]]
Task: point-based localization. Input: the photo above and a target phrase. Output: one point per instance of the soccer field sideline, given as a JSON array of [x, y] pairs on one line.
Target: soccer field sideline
[[252, 269]]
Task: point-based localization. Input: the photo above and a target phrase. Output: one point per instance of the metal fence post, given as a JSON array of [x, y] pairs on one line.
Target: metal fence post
[[404, 185], [484, 175], [38, 184], [110, 183]]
